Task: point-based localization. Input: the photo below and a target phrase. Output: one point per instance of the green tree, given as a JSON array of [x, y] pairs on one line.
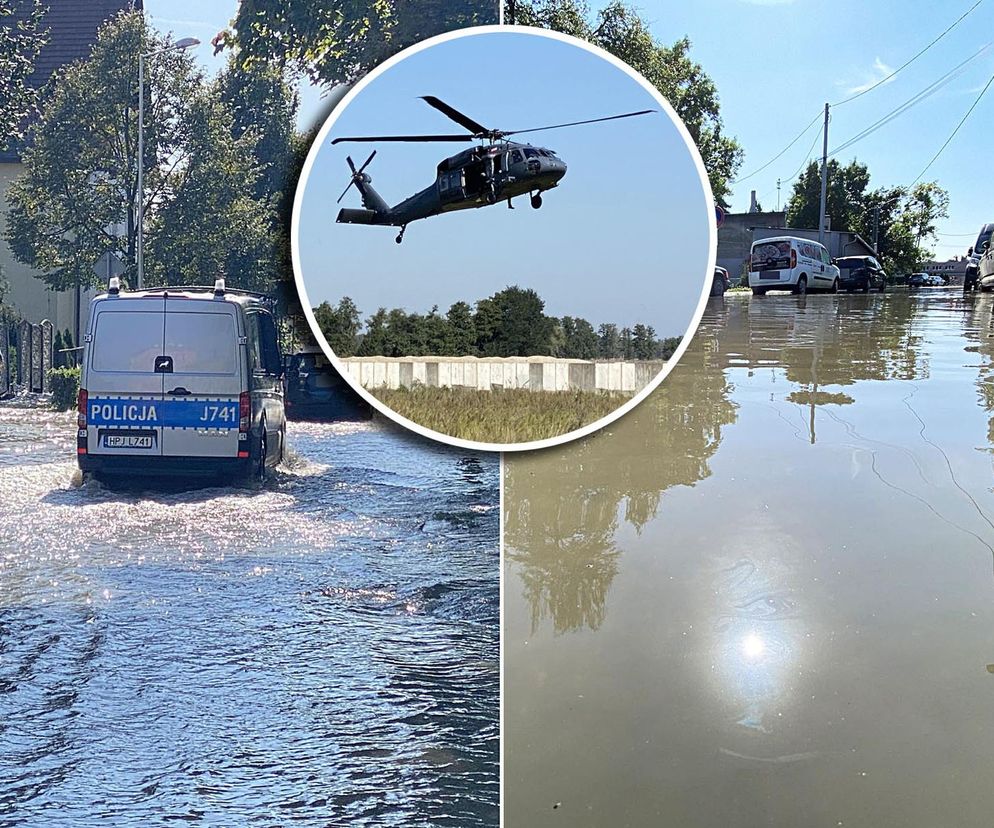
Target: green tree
[[338, 41], [340, 325], [579, 339], [627, 349], [514, 323], [643, 342], [608, 341], [845, 196], [22, 36], [375, 341], [80, 180], [619, 29], [462, 331]]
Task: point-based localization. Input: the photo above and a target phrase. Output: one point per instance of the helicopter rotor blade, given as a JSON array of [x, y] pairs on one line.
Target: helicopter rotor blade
[[454, 114], [355, 173], [406, 138], [577, 123], [367, 161]]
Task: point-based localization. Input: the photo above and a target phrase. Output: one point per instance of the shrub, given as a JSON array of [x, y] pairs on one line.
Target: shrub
[[65, 384]]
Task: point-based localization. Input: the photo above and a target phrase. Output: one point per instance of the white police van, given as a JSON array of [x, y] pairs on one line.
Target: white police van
[[791, 263], [180, 381]]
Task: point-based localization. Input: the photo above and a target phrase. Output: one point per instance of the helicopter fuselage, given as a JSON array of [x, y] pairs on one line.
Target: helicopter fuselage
[[476, 177]]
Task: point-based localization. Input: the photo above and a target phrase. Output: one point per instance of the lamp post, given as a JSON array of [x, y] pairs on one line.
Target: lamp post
[[185, 43]]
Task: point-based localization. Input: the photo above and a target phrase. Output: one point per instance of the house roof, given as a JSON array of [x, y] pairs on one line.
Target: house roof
[[72, 29]]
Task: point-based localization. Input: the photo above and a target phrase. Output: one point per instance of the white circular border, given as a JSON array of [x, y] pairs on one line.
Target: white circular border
[[384, 409]]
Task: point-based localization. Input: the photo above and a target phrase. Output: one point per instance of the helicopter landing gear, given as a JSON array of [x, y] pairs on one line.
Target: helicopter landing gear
[[400, 235], [509, 205], [536, 201]]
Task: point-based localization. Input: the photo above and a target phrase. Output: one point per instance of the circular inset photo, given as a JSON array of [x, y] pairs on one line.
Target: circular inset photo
[[503, 238]]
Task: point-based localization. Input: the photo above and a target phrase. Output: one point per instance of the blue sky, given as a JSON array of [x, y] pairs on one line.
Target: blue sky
[[623, 239], [800, 54], [776, 63]]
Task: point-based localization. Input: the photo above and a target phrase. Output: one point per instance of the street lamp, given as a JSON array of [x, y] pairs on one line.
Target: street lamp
[[184, 43]]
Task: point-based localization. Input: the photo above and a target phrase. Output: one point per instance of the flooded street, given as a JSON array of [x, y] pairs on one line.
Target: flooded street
[[319, 650], [766, 597]]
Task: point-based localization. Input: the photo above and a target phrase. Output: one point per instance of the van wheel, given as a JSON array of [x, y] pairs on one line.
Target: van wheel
[[717, 288], [835, 287], [759, 291], [260, 463], [801, 288], [282, 444]]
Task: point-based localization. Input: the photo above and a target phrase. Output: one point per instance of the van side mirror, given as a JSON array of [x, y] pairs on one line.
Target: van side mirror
[[969, 251], [985, 246]]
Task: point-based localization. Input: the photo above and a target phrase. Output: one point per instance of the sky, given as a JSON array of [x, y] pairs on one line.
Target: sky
[[777, 62], [796, 55], [622, 239]]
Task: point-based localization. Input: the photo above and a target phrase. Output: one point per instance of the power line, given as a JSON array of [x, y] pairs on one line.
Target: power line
[[905, 65], [927, 92], [953, 134], [779, 154]]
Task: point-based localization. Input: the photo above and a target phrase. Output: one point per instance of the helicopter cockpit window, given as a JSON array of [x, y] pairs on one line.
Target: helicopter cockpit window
[[443, 182], [516, 157], [530, 153]]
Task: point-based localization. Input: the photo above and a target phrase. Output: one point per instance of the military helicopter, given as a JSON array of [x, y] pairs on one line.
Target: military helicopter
[[496, 170]]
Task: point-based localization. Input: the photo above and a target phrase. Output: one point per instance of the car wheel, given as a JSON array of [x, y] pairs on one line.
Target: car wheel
[[801, 288], [717, 289]]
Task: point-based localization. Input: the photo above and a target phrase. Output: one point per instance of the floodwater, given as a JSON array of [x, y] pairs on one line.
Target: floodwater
[[766, 597], [320, 650]]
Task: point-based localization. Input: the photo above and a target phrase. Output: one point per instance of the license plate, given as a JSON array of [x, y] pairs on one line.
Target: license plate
[[770, 274], [135, 441]]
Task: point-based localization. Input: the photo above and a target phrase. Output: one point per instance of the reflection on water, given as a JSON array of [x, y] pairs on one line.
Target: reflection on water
[[319, 650], [765, 597]]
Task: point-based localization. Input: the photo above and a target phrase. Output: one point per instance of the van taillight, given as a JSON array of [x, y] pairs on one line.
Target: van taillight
[[749, 262], [244, 411], [793, 258], [81, 399]]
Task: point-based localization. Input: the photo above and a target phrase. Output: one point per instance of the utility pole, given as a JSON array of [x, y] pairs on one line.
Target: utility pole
[[778, 195], [876, 230], [824, 182]]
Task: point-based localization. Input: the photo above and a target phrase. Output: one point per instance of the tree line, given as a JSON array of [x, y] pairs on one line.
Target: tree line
[[902, 219], [511, 322]]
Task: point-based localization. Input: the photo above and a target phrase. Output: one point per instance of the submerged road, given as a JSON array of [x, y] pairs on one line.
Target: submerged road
[[765, 597], [320, 650]]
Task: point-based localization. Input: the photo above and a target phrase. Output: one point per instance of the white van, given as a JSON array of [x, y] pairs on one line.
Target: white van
[[791, 263], [180, 381]]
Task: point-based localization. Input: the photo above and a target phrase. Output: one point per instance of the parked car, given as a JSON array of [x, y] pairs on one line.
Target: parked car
[[971, 277], [720, 282], [180, 380], [316, 391], [861, 273], [791, 263], [917, 280]]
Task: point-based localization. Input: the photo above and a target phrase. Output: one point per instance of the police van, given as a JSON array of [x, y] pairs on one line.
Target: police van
[[180, 380]]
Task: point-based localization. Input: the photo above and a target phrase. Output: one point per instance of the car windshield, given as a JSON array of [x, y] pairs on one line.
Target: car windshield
[[850, 264]]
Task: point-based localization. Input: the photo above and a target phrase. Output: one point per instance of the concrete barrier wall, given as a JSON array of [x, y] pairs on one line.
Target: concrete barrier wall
[[485, 374]]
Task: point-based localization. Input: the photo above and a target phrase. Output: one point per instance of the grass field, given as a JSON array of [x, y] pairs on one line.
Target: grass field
[[500, 416]]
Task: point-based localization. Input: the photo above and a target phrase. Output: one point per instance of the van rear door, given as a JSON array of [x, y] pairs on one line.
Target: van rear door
[[204, 378], [123, 380]]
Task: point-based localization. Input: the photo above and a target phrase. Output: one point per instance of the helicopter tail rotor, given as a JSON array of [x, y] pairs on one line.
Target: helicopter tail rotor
[[358, 175]]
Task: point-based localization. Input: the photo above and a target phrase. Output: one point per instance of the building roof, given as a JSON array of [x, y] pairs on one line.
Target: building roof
[[71, 28]]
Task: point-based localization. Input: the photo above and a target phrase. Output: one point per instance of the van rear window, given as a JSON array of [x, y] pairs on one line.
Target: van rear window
[[127, 341], [201, 343], [770, 256]]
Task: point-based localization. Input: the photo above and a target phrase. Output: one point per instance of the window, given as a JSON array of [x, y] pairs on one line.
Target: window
[[530, 153], [516, 157], [201, 343], [443, 183], [271, 359], [127, 341]]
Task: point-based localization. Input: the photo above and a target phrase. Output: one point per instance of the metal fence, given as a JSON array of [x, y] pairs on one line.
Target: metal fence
[[31, 353]]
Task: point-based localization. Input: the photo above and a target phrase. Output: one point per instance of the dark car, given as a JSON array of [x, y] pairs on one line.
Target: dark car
[[720, 282], [316, 391], [861, 273], [917, 280]]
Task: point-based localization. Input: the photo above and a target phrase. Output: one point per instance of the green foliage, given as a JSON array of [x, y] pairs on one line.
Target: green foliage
[[340, 326], [21, 38], [501, 415], [619, 29], [905, 222], [338, 41], [511, 322], [65, 384], [210, 207]]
